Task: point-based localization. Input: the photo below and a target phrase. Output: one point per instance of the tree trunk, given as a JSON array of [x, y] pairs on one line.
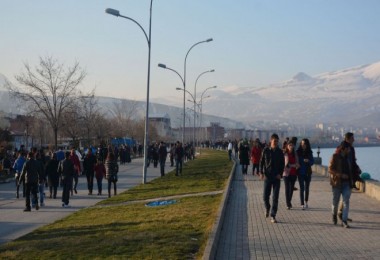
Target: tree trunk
[[56, 138]]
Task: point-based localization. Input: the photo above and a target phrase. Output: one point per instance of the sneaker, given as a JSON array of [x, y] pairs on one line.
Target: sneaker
[[42, 204], [66, 206], [17, 196], [303, 207], [37, 207], [306, 206], [26, 209], [75, 190], [266, 213], [334, 219], [273, 220], [344, 224]]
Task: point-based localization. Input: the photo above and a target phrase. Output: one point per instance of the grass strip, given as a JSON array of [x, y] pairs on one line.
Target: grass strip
[[134, 231]]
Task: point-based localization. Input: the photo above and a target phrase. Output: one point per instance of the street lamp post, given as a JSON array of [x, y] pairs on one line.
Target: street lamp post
[[149, 41], [184, 81], [195, 98], [201, 107]]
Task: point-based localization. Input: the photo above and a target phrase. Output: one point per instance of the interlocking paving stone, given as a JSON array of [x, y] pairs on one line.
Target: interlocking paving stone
[[299, 234]]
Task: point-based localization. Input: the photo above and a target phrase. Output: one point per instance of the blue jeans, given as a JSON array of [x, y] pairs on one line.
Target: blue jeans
[[345, 191], [162, 166], [304, 181], [268, 186], [41, 190], [178, 167]]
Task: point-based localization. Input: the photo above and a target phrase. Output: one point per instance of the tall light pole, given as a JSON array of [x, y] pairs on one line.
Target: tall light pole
[[184, 81], [201, 107], [149, 41], [195, 98]]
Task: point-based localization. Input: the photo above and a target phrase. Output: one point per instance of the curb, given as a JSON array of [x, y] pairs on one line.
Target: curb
[[213, 239]]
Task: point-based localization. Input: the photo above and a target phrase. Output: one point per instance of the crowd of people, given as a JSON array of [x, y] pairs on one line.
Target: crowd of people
[[34, 171], [273, 163]]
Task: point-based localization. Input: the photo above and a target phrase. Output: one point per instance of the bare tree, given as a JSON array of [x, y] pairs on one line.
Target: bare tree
[[50, 88], [70, 123], [124, 112], [90, 112]]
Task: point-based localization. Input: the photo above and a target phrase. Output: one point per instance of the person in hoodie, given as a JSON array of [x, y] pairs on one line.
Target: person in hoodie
[[17, 166], [272, 166]]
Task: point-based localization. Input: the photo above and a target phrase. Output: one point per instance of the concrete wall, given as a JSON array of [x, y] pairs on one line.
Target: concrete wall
[[369, 187]]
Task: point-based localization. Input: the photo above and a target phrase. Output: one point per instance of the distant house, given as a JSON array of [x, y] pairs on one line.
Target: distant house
[[162, 124]]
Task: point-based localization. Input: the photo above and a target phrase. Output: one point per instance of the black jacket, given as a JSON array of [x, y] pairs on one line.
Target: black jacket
[[31, 171], [272, 162], [89, 164], [66, 169]]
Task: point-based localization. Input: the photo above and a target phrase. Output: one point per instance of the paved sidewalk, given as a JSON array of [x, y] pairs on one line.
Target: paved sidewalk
[[15, 223], [299, 234]]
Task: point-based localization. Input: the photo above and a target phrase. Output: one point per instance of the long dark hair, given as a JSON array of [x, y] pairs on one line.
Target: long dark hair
[[110, 156], [307, 150]]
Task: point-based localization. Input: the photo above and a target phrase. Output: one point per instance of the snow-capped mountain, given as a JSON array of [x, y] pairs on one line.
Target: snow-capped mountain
[[349, 97], [346, 96]]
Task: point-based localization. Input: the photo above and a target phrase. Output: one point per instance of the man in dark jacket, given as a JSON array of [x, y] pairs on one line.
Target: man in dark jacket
[[30, 173], [272, 166], [66, 169], [89, 167], [162, 154], [178, 155], [341, 181]]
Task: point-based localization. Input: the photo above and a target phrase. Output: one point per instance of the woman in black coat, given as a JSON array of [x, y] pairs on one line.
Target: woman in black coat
[[244, 152], [51, 172]]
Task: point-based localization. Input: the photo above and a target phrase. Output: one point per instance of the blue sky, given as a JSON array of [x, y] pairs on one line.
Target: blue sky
[[256, 42]]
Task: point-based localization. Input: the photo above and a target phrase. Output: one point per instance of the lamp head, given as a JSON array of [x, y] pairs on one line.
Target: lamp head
[[178, 88], [162, 65], [212, 70], [214, 86], [209, 40], [112, 12]]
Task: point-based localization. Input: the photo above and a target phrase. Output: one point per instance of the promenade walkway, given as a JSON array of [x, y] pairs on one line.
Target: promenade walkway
[[299, 234], [15, 223]]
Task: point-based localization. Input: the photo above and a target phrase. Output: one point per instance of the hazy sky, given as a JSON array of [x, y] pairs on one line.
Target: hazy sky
[[256, 42]]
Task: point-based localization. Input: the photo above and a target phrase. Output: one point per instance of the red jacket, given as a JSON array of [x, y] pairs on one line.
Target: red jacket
[[256, 155], [100, 170], [74, 158]]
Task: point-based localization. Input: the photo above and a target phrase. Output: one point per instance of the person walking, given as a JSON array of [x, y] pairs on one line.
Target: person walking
[[341, 181], [17, 166], [89, 167], [100, 173], [290, 172], [53, 176], [162, 154], [229, 148], [272, 165], [244, 156], [306, 160], [67, 171], [112, 168], [171, 155], [256, 156], [349, 139], [30, 173], [41, 178], [178, 155], [75, 159]]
